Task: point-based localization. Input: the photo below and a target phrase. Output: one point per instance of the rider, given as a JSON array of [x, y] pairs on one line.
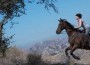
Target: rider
[[80, 25]]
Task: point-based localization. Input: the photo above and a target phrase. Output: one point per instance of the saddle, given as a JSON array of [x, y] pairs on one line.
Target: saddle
[[81, 31]]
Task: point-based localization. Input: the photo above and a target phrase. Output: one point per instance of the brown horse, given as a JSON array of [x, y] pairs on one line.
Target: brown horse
[[76, 39]]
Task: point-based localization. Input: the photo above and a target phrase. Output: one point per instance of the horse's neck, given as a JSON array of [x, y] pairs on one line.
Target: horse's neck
[[69, 31]]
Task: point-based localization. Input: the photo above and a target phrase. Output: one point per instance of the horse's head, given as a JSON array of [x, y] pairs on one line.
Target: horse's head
[[61, 26]]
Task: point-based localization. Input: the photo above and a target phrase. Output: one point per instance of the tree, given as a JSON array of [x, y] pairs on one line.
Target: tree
[[15, 8], [9, 9], [47, 4]]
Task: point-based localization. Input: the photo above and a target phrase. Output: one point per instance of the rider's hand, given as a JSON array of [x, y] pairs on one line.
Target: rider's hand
[[76, 28], [84, 31]]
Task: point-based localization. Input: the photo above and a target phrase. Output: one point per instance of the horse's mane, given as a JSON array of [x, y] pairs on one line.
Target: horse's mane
[[71, 26]]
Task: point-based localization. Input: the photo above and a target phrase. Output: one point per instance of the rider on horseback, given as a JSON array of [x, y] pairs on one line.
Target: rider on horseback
[[80, 25]]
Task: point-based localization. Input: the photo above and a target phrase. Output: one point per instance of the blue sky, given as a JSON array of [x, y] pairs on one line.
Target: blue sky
[[38, 24]]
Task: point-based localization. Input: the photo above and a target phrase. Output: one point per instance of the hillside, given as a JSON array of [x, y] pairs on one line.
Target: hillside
[[40, 46], [53, 52], [49, 52]]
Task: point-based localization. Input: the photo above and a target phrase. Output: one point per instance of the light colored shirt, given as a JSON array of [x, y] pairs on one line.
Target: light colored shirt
[[80, 24]]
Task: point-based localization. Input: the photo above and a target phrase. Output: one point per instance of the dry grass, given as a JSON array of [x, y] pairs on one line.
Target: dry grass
[[14, 56]]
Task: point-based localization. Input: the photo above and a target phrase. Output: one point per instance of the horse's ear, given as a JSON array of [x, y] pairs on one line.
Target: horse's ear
[[60, 20]]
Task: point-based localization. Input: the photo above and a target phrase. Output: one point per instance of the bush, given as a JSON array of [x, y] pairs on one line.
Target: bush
[[14, 56], [33, 59]]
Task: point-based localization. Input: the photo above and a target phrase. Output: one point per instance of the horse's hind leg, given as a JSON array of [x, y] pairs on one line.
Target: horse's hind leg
[[71, 52], [66, 51]]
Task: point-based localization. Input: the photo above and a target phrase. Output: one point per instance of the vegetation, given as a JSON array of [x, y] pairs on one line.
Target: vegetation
[[33, 59], [15, 8], [9, 9], [47, 4], [14, 56]]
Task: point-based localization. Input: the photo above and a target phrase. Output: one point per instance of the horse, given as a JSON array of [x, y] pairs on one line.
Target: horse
[[76, 39]]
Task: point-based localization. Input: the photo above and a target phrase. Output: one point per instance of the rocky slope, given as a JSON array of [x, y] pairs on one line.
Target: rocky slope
[[40, 46], [52, 52]]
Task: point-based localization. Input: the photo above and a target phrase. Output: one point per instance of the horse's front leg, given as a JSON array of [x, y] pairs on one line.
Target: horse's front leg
[[71, 52], [66, 51]]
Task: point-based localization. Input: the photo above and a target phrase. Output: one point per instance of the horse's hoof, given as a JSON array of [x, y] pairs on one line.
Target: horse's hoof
[[68, 57], [77, 58]]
